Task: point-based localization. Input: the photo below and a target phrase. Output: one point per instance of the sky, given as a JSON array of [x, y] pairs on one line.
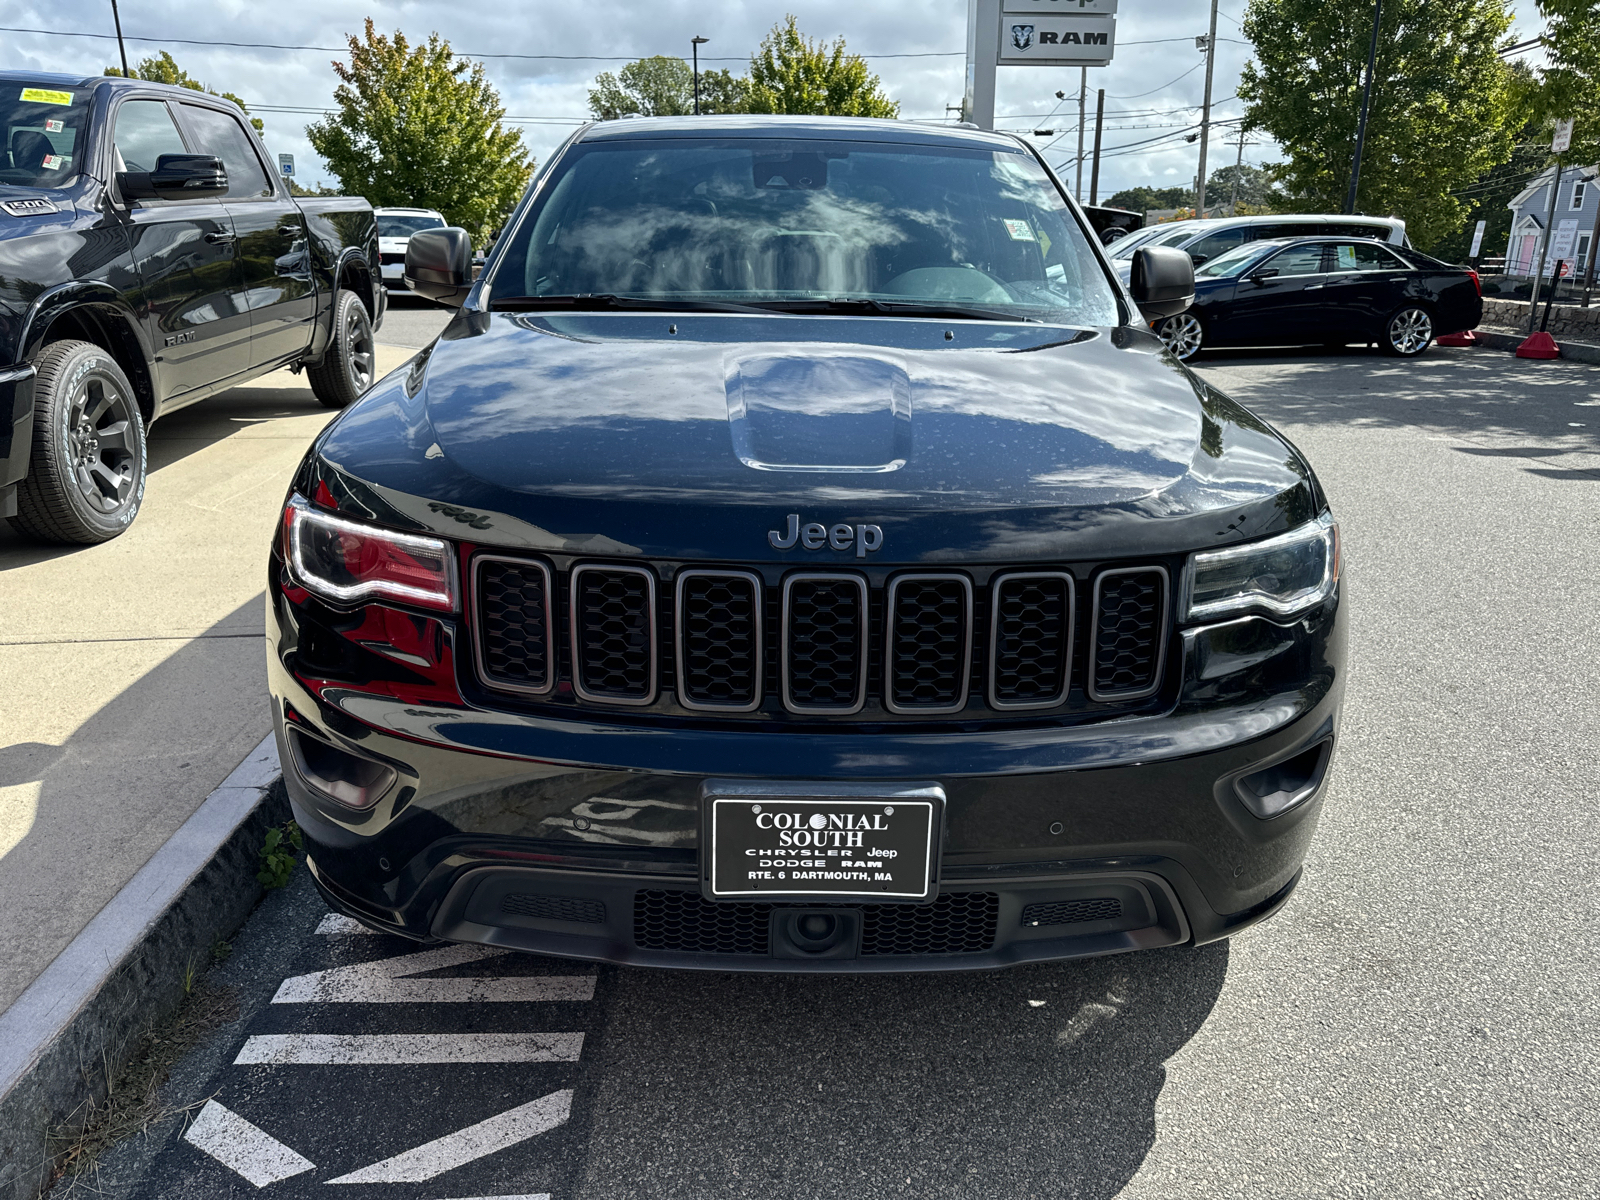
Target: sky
[[1154, 85]]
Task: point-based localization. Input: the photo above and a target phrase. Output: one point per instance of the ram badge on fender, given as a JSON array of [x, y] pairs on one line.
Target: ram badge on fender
[[798, 554]]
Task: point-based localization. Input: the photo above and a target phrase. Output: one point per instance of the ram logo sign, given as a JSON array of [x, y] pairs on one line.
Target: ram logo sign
[[1022, 36], [1050, 40]]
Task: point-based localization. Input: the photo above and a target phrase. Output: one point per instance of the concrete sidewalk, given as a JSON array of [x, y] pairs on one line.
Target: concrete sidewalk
[[131, 678]]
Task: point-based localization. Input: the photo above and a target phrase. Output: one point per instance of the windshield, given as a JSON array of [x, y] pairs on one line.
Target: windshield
[[403, 227], [1230, 263], [768, 221], [43, 128], [1160, 235]]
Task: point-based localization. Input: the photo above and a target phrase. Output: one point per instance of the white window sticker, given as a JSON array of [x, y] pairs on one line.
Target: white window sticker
[[1347, 258], [1020, 231], [54, 162], [54, 126]]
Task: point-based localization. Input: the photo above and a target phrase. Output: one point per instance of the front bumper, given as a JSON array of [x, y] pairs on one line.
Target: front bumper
[[581, 839]]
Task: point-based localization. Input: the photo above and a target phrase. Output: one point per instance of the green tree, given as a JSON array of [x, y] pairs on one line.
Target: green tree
[[790, 73], [649, 87], [724, 92], [1143, 199], [1571, 79], [163, 69], [1255, 187], [421, 127], [1442, 103]]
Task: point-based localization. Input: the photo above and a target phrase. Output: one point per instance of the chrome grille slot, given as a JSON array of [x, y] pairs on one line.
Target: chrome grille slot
[[928, 647], [1129, 635], [512, 643], [823, 660], [1030, 640], [719, 652], [613, 634]]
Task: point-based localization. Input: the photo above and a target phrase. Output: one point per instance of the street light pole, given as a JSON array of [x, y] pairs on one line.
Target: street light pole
[[1366, 104], [696, 43], [1099, 121], [121, 49], [1205, 117], [1083, 95]]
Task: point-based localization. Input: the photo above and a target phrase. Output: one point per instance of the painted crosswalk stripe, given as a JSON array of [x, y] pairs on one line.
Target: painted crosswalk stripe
[[242, 1147], [338, 923], [385, 981], [370, 1049], [465, 1145]]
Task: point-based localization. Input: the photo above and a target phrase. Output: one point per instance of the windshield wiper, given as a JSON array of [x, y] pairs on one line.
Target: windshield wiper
[[895, 308], [610, 302]]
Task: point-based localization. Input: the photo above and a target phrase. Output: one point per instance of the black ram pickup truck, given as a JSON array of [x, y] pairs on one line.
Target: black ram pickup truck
[[150, 257]]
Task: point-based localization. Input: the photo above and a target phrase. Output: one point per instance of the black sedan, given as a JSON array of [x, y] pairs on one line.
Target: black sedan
[[1327, 291]]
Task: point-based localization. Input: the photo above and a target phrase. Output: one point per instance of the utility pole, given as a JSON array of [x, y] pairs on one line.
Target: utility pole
[[696, 43], [1205, 117], [1238, 169], [1099, 120], [121, 49], [1366, 104], [1083, 95]]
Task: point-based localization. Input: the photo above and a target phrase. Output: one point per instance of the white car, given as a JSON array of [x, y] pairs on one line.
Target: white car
[[395, 227]]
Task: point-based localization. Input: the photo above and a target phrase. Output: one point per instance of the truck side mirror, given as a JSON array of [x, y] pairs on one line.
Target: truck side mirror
[[176, 177], [439, 264], [1162, 281]]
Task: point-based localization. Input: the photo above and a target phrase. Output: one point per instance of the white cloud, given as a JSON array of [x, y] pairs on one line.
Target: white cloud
[[1146, 85]]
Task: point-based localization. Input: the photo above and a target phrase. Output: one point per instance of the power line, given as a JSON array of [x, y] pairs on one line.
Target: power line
[[459, 53], [1169, 82]]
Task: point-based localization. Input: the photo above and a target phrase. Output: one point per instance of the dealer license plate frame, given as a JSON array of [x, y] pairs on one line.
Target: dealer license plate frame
[[719, 798]]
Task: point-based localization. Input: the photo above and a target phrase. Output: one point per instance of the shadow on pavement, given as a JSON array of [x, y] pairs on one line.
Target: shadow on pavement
[[92, 810], [1470, 393], [889, 1085]]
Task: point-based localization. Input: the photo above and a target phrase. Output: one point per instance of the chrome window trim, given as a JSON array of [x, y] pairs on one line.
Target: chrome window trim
[[783, 644], [888, 645], [994, 640], [573, 592], [760, 646], [552, 671], [1162, 634]]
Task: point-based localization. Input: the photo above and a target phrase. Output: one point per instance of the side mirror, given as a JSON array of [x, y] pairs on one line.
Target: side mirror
[[1197, 259], [439, 264], [176, 177], [1261, 276], [1162, 281]]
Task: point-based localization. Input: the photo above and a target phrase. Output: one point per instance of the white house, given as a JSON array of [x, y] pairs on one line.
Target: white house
[[1577, 198]]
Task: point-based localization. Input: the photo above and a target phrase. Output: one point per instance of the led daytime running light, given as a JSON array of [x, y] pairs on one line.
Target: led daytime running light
[[1210, 571], [402, 569]]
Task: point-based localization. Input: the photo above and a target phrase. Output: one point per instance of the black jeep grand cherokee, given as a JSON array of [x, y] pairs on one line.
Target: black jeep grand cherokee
[[798, 554]]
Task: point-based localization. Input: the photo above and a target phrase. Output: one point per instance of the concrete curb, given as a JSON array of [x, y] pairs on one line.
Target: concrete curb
[[1498, 339], [73, 1029]]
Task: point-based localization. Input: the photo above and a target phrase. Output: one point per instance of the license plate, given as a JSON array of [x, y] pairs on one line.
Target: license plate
[[793, 841]]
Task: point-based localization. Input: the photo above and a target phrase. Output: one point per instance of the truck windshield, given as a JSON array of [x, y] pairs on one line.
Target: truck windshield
[[391, 226], [43, 130], [777, 222]]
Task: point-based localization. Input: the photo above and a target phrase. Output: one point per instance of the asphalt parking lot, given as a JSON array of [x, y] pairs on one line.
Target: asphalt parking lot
[[1421, 1020]]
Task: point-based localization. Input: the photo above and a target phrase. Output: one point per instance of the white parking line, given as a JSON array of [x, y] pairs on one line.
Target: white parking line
[[242, 1147], [465, 1145], [338, 923], [383, 982], [533, 1196], [351, 1049]]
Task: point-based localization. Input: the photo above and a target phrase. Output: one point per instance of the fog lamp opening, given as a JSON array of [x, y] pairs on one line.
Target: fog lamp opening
[[1273, 791], [346, 779]]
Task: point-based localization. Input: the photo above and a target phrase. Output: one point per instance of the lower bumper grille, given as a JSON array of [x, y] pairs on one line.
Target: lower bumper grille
[[686, 922], [1073, 912]]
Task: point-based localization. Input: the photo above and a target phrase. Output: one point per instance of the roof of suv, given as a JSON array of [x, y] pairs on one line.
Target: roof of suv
[[855, 129]]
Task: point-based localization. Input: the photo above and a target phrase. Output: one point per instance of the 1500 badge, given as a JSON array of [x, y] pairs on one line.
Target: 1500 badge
[[865, 538]]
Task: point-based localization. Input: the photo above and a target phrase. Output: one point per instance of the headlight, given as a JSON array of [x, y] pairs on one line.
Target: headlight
[[1283, 575], [351, 563]]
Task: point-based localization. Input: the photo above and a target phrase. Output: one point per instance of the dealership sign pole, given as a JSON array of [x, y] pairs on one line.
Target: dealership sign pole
[[1031, 33], [1559, 145]]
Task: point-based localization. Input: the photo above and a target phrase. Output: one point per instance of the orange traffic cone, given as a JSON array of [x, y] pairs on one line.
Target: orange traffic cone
[[1465, 338], [1539, 345]]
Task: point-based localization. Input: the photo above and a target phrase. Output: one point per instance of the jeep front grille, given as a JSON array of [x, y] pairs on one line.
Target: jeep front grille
[[735, 641], [1130, 621]]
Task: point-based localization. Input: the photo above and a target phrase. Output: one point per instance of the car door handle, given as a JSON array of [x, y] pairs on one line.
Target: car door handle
[[1399, 279], [289, 230], [1311, 287], [217, 238]]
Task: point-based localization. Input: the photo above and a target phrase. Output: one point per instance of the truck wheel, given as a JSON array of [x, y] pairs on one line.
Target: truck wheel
[[86, 475], [347, 369]]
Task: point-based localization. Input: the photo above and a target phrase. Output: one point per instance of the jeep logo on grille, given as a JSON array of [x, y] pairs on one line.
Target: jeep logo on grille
[[865, 538]]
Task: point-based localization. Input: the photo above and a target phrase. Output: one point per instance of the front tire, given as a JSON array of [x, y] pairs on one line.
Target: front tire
[[1183, 335], [348, 368], [86, 474], [1407, 332]]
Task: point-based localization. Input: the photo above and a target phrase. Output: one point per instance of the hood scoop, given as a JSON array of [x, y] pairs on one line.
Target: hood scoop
[[819, 411]]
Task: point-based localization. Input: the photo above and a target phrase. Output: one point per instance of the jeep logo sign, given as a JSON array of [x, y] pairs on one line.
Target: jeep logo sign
[[865, 538]]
